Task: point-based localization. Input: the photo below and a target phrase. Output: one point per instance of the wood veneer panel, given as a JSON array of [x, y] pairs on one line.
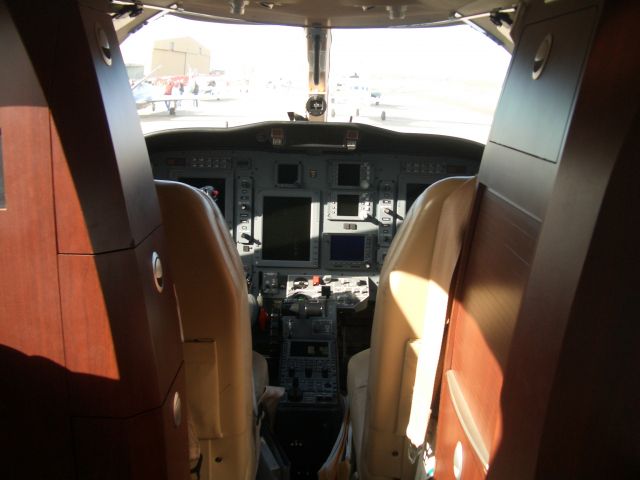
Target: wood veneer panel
[[487, 300], [35, 377], [102, 171], [33, 409], [570, 395], [176, 442], [21, 86], [524, 180], [32, 377], [118, 328], [131, 448], [70, 223], [496, 271], [472, 468], [29, 306], [162, 309], [596, 391]]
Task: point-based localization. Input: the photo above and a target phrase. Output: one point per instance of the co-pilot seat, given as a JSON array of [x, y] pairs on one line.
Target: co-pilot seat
[[399, 369], [214, 310]]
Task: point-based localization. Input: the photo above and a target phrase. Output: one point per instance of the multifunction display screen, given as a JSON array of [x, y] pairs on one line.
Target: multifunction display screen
[[286, 227], [349, 175], [288, 174], [348, 205], [347, 248]]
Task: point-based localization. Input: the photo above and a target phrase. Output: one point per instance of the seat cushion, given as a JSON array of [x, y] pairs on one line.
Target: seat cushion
[[357, 379]]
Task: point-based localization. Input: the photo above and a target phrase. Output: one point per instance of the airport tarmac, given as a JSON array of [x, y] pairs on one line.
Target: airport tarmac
[[429, 115]]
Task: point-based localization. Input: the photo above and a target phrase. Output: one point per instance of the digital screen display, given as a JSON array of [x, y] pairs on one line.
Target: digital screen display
[[347, 248], [309, 349], [348, 175], [286, 227], [413, 192], [288, 174], [348, 205], [218, 185]]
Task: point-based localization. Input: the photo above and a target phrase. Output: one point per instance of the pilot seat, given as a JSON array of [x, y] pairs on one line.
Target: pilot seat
[[391, 385], [214, 309]]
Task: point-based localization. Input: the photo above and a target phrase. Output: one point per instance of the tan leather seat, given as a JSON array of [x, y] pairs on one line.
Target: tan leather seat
[[212, 296], [399, 368]]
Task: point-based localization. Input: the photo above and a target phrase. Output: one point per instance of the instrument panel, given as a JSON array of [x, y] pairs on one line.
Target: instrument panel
[[312, 210]]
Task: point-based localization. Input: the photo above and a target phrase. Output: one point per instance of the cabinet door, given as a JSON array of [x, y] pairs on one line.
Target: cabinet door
[[533, 114]]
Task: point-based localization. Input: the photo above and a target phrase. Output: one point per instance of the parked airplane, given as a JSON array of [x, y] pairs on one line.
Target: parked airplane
[[292, 300], [166, 92]]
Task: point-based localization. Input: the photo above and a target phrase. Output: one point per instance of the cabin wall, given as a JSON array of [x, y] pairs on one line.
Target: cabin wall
[[90, 340], [575, 350], [33, 414], [533, 362]]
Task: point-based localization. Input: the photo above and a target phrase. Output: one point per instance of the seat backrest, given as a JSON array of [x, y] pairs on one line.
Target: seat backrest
[[408, 325], [212, 296]]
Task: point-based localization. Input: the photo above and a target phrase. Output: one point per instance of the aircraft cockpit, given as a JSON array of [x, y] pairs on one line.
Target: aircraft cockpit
[[314, 151], [284, 240], [313, 210]]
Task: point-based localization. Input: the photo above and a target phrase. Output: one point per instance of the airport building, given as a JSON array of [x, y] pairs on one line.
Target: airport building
[[135, 71], [179, 56]]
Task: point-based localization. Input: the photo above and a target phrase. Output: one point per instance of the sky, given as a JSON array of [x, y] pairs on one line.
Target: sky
[[276, 51]]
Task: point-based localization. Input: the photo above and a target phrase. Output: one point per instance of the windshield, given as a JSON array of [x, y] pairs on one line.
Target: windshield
[[187, 73], [428, 80]]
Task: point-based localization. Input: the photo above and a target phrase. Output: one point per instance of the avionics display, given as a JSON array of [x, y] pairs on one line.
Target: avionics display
[[349, 175], [288, 174], [348, 205], [309, 349], [347, 248], [413, 192], [218, 185], [286, 226]]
